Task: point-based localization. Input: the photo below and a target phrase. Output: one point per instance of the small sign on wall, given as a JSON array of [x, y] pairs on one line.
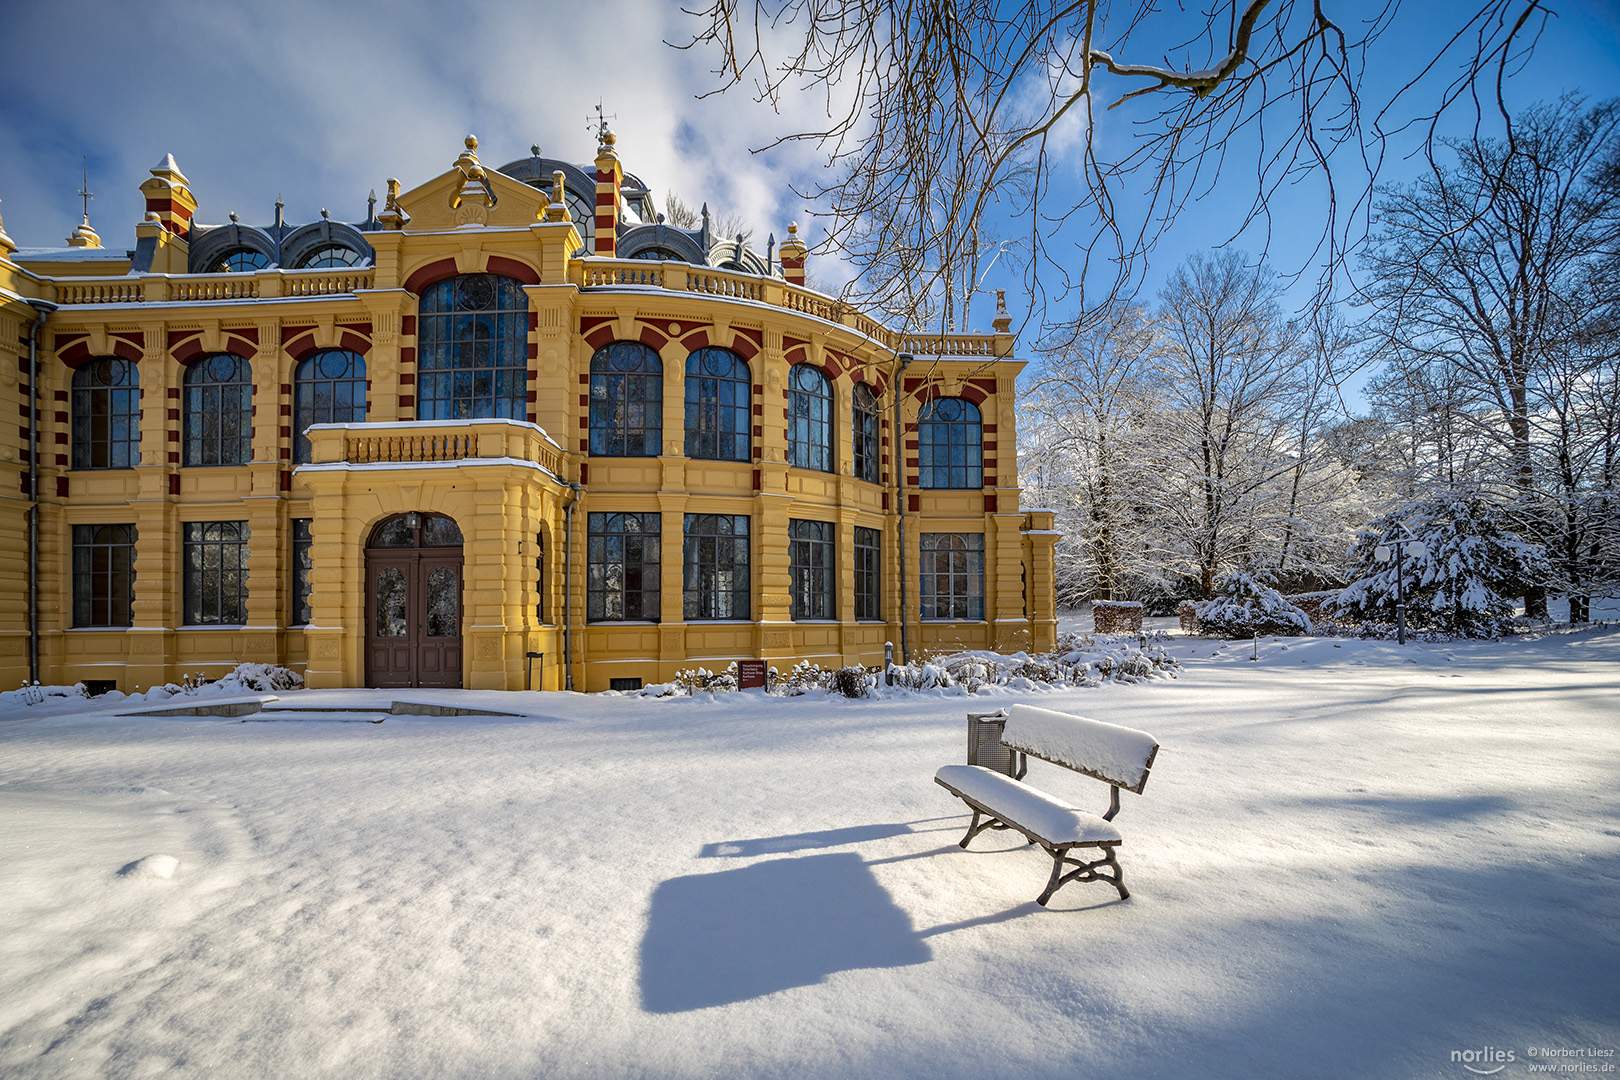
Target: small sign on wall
[[750, 674]]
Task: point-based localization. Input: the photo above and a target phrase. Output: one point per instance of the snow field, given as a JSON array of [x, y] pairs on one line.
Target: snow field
[[1350, 860]]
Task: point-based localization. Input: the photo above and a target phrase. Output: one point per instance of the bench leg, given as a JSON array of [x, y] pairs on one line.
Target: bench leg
[[1083, 871], [975, 827]]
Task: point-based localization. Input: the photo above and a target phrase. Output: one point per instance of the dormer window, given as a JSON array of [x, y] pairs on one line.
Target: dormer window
[[240, 261], [330, 257]]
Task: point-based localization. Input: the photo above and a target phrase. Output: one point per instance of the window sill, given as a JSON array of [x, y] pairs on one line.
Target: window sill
[[97, 629], [212, 626]]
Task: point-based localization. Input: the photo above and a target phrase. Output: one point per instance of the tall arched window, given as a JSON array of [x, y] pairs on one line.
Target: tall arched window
[[627, 400], [949, 444], [106, 415], [329, 388], [472, 349], [717, 405], [809, 419], [219, 411], [864, 433]]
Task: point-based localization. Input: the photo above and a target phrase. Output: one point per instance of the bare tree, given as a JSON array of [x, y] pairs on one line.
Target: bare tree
[[722, 226], [1485, 269], [1087, 405], [1227, 366], [945, 119]]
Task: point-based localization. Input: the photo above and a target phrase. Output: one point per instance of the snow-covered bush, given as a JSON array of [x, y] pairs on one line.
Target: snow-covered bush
[[35, 694], [703, 681], [1465, 582], [1246, 606], [1116, 616], [853, 682]]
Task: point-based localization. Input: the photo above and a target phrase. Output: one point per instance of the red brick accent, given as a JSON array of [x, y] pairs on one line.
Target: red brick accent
[[988, 429], [584, 473], [406, 378], [534, 350], [587, 323], [188, 352], [698, 339], [990, 503], [756, 476], [174, 483], [354, 343], [652, 338], [744, 346], [914, 503], [286, 479], [431, 274], [974, 394], [512, 268], [602, 335], [407, 325], [407, 401], [127, 350]]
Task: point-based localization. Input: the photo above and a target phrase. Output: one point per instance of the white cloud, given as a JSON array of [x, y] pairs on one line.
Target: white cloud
[[323, 102]]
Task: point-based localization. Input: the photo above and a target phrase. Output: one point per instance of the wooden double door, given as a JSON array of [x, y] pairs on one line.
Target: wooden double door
[[413, 615]]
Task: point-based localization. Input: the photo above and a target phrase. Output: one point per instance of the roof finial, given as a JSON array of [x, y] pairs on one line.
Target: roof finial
[[84, 236], [84, 190], [604, 134]]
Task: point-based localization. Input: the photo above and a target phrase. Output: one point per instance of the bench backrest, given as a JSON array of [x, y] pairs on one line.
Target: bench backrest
[[1116, 755]]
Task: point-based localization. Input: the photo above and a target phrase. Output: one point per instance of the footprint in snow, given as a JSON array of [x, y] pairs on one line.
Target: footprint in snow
[[153, 866]]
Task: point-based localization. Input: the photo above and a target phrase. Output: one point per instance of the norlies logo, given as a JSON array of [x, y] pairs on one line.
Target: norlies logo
[[1484, 1056]]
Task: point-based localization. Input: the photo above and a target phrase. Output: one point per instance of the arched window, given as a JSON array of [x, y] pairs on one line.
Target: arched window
[[329, 388], [658, 254], [472, 349], [809, 419], [106, 415], [219, 411], [240, 261], [864, 433], [950, 576], [627, 400], [949, 443], [332, 255], [717, 405]]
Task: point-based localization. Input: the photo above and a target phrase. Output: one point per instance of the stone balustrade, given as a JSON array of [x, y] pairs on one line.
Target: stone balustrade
[[192, 288], [429, 441]]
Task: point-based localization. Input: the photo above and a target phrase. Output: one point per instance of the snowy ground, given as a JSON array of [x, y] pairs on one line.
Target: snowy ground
[[1352, 859]]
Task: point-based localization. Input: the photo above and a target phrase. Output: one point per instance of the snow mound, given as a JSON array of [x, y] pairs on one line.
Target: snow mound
[[153, 866]]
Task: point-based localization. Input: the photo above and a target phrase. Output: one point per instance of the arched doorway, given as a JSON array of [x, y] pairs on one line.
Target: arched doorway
[[413, 602]]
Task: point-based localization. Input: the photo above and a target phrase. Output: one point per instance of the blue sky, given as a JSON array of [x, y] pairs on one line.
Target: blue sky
[[322, 103]]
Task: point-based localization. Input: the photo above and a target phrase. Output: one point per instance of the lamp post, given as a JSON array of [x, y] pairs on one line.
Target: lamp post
[[1397, 548]]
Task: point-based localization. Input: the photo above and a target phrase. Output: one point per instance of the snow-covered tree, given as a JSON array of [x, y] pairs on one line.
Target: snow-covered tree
[[1247, 606], [1464, 582]]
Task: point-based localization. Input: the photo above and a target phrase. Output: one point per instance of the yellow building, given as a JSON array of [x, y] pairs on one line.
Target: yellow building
[[512, 427]]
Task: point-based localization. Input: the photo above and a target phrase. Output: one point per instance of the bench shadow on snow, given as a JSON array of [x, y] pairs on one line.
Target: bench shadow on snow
[[717, 939]]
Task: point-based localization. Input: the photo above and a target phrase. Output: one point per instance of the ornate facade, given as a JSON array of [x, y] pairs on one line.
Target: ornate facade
[[510, 430]]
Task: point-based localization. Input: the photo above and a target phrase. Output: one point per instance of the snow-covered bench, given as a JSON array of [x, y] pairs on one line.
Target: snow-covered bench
[[1118, 756]]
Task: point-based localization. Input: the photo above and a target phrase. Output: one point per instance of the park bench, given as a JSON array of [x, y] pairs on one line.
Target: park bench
[[999, 746]]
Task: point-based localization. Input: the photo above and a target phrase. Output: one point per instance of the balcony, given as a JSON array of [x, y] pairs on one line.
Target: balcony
[[435, 442]]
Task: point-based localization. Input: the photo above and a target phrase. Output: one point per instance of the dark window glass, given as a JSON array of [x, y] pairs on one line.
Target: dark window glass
[[426, 530], [300, 571], [539, 577], [215, 573], [951, 576], [443, 602], [809, 419], [868, 573], [717, 405], [812, 570], [329, 388], [219, 411], [392, 602], [472, 349], [627, 400], [103, 575], [106, 415], [949, 444], [329, 257], [714, 581], [621, 566], [864, 434], [240, 261]]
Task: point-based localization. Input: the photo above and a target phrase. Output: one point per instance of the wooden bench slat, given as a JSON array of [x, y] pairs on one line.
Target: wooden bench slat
[[1028, 809]]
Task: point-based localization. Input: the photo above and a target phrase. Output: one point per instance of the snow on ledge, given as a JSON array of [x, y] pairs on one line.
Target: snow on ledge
[[1119, 755]]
